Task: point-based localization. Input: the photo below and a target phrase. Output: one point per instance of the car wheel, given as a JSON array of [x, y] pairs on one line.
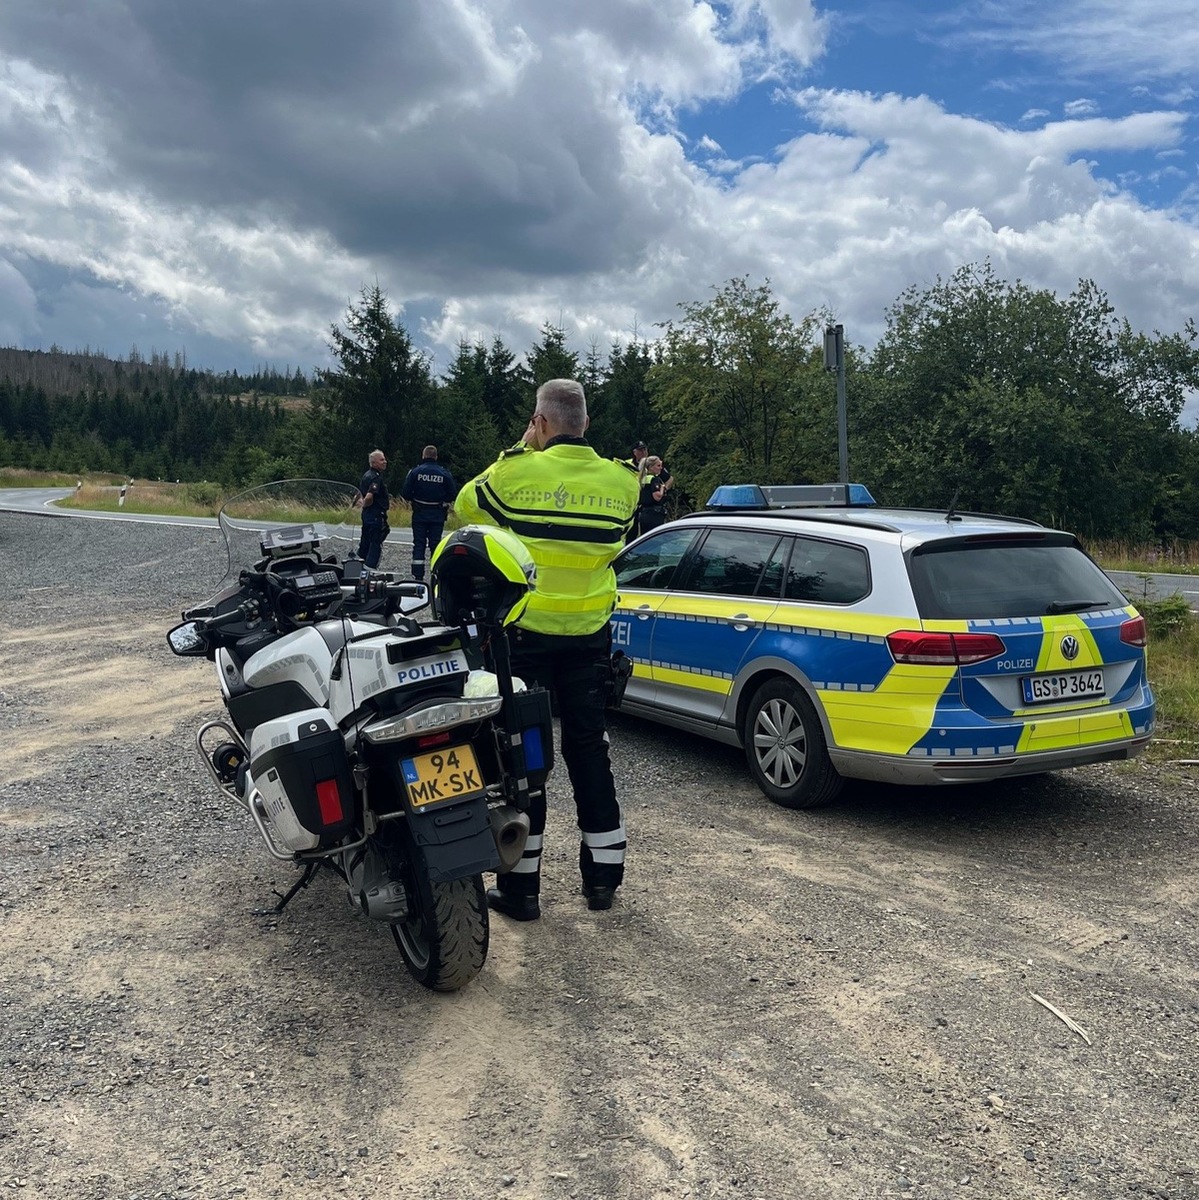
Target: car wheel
[[784, 743]]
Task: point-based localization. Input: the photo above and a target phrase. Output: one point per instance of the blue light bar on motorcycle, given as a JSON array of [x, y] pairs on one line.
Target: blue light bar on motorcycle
[[749, 496]]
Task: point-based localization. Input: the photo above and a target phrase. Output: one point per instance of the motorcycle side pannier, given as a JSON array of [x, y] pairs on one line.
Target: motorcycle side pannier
[[298, 764]]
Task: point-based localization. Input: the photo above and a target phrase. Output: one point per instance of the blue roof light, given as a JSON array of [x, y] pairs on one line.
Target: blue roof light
[[799, 495], [737, 495]]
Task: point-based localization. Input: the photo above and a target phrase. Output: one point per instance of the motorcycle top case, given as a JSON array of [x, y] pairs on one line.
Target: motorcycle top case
[[298, 764]]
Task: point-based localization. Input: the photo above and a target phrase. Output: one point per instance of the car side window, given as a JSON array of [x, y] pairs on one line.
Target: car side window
[[731, 562], [827, 572], [651, 564]]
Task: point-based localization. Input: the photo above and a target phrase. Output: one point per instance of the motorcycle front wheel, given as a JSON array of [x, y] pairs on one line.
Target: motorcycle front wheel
[[444, 937]]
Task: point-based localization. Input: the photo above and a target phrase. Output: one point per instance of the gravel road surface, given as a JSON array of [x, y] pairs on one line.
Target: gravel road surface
[[801, 1005]]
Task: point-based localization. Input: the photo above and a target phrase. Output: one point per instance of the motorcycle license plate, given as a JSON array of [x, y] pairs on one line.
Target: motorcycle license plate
[[449, 773]]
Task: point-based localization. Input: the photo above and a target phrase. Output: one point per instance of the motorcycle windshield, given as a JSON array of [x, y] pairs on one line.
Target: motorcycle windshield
[[290, 516]]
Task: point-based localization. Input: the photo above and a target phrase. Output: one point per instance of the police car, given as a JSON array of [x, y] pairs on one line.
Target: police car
[[832, 638]]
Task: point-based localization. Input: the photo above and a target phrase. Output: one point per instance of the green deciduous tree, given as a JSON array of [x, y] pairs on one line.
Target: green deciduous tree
[[1019, 402], [742, 392]]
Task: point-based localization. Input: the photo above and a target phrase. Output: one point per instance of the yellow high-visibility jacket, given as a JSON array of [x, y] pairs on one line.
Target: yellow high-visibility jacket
[[572, 509]]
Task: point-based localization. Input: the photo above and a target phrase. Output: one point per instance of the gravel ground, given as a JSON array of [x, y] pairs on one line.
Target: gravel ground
[[832, 1004]]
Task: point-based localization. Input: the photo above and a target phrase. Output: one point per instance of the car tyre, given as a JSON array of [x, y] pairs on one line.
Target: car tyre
[[786, 749]]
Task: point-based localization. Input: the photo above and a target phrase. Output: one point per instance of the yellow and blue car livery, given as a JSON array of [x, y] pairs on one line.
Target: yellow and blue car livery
[[924, 648]]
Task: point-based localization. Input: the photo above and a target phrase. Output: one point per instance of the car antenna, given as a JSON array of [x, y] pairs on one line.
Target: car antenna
[[951, 515]]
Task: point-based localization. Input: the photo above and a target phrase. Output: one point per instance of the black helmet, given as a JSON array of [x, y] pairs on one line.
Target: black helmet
[[482, 573]]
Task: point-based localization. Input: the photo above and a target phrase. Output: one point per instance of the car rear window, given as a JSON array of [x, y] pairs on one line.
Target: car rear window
[[827, 572], [981, 578]]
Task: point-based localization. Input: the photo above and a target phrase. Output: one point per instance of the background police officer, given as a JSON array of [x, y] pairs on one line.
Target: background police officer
[[374, 501], [572, 509], [430, 489]]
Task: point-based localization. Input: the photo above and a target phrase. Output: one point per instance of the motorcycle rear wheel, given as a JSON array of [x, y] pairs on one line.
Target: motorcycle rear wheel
[[445, 936]]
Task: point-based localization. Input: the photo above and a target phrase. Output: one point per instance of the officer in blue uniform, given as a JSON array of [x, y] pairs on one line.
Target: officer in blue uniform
[[430, 489], [374, 502]]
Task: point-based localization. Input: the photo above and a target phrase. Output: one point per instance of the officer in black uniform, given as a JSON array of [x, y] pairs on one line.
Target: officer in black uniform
[[572, 510], [374, 501], [430, 489]]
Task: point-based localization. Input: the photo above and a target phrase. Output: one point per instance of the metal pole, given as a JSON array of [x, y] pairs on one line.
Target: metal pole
[[842, 422], [834, 360]]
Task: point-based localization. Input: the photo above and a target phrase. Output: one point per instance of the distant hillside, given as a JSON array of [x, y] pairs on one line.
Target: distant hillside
[[67, 373]]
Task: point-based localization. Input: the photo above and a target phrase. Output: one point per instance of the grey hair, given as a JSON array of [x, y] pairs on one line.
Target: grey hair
[[565, 406], [370, 458]]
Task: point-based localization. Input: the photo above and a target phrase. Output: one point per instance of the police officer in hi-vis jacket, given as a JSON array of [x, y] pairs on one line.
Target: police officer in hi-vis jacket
[[572, 510], [430, 489]]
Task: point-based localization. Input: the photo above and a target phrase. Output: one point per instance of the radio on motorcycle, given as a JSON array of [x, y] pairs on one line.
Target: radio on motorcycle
[[351, 739], [292, 540]]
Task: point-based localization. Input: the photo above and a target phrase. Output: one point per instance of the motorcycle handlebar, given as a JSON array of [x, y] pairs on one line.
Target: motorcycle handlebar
[[243, 612], [381, 585]]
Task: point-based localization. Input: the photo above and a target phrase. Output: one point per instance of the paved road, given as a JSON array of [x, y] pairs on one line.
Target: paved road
[[40, 501], [1136, 586]]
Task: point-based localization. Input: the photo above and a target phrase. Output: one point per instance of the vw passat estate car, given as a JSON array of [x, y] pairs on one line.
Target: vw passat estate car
[[833, 639]]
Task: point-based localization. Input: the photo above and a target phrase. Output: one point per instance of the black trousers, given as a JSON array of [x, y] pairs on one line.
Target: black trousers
[[650, 518], [426, 533], [370, 544], [575, 670]]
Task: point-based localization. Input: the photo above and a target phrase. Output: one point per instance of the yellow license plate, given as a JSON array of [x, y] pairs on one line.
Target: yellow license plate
[[448, 774]]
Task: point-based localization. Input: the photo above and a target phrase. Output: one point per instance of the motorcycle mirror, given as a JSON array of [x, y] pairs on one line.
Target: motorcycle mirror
[[188, 640]]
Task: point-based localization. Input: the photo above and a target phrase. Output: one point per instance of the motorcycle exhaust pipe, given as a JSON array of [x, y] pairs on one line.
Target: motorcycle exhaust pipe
[[510, 828]]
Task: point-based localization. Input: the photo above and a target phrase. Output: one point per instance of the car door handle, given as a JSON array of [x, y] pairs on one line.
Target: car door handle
[[644, 611], [741, 620]]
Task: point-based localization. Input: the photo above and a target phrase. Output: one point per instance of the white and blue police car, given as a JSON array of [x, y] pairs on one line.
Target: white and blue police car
[[835, 639]]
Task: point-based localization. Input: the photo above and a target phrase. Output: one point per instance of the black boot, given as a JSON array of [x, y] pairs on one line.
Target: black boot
[[519, 908], [599, 898]]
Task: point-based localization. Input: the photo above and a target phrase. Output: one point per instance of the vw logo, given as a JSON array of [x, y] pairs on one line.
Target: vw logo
[[1070, 647]]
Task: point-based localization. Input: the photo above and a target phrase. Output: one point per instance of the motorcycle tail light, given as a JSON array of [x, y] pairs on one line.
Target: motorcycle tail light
[[328, 799], [420, 721]]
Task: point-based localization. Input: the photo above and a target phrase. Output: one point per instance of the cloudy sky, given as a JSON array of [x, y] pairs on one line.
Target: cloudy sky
[[222, 178]]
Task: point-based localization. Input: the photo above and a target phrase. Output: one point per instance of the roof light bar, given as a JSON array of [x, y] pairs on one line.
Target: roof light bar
[[799, 495]]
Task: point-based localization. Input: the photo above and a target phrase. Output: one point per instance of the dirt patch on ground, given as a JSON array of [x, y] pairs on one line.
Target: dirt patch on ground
[[831, 1004], [67, 694]]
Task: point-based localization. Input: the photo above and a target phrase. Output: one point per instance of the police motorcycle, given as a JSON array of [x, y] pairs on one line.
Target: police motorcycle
[[400, 756]]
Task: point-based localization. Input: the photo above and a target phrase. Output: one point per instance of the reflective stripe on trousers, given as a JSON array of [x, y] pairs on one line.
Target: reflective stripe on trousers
[[606, 847]]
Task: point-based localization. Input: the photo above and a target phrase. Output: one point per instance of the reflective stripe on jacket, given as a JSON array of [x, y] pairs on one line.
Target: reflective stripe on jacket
[[572, 509]]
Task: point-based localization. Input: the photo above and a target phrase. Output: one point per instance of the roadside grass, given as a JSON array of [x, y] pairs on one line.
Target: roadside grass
[[160, 499], [197, 500], [1173, 666], [1173, 558], [18, 477]]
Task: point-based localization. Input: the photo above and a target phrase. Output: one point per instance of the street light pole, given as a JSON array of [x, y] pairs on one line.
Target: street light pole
[[834, 360]]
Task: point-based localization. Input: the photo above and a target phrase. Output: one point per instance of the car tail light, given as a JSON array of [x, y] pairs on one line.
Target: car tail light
[[943, 649], [1133, 632]]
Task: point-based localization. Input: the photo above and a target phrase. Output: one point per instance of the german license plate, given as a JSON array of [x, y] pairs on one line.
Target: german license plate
[[451, 773], [1062, 685]]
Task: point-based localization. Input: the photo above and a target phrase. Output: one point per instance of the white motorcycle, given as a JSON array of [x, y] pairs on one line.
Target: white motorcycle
[[400, 756]]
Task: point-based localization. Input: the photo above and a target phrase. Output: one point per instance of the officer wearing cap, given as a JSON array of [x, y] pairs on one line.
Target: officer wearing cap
[[430, 489], [572, 509]]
